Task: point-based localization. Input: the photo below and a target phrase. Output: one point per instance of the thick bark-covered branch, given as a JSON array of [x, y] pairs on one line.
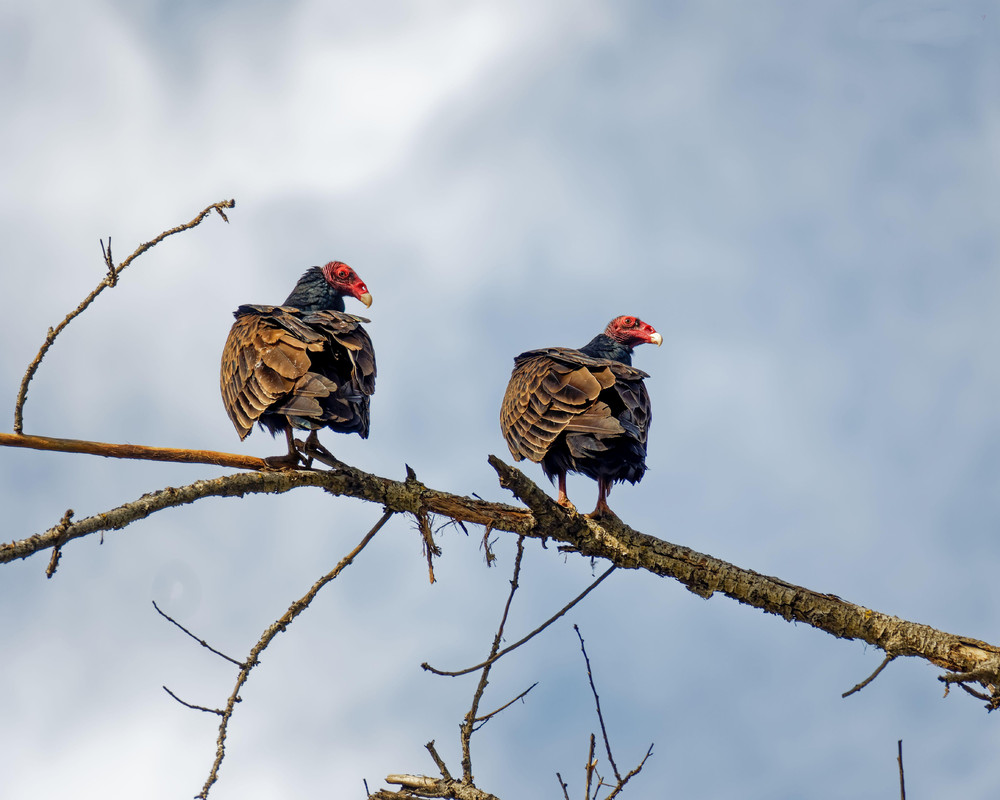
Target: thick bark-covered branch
[[609, 539], [705, 575], [409, 496]]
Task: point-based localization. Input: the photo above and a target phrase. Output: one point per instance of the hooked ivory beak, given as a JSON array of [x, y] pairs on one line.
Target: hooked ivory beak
[[656, 339], [366, 298]]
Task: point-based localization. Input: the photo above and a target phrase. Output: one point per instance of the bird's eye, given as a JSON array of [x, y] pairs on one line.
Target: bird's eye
[[630, 322], [343, 274]]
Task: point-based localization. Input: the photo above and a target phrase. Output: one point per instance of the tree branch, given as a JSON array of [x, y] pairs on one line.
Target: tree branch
[[410, 496], [610, 539], [526, 638], [132, 451], [600, 716], [704, 575], [469, 723], [202, 642], [109, 280]]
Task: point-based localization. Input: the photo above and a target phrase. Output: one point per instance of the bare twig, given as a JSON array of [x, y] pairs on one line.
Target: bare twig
[[468, 724], [193, 707], [899, 758], [60, 530], [438, 760], [531, 635], [631, 774], [202, 642], [487, 546], [487, 717], [132, 451], [563, 786], [591, 766], [109, 280], [974, 693], [984, 673], [281, 625], [870, 678], [431, 550], [597, 702]]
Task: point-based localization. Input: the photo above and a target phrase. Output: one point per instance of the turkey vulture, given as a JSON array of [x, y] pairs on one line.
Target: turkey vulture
[[583, 410], [304, 364]]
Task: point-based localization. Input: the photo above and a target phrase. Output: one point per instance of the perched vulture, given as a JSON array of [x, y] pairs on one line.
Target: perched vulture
[[302, 365], [583, 410]]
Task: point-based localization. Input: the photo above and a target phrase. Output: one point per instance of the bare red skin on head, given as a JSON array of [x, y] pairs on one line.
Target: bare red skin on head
[[344, 278], [630, 331]]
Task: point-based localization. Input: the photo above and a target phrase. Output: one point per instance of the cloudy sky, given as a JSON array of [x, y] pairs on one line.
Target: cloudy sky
[[802, 198]]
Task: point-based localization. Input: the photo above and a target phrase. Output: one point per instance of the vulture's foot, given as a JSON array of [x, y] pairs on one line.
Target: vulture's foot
[[312, 445], [566, 503], [603, 512]]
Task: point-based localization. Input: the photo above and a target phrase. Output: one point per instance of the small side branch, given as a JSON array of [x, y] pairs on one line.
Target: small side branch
[[193, 707], [524, 639], [591, 766], [899, 759], [132, 451], [597, 703], [109, 280], [60, 532], [870, 678], [984, 674], [202, 642], [468, 725], [438, 760], [487, 717]]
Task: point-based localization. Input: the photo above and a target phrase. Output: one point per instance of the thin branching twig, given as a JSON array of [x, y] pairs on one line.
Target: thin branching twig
[[591, 768], [468, 724], [902, 782], [487, 717], [192, 706], [281, 625], [870, 678], [202, 642], [597, 703], [524, 639], [109, 280]]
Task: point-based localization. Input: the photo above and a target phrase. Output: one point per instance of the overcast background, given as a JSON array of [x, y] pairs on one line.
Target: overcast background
[[803, 199]]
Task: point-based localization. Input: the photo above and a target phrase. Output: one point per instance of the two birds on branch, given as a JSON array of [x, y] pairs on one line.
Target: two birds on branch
[[307, 365]]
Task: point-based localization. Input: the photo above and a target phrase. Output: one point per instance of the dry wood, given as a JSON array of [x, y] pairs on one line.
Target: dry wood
[[975, 660], [135, 451]]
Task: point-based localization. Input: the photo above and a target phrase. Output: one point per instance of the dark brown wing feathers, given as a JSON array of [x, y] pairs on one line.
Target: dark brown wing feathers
[[565, 409], [283, 367]]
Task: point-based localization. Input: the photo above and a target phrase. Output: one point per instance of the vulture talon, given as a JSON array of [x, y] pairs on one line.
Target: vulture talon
[[304, 365], [584, 411]]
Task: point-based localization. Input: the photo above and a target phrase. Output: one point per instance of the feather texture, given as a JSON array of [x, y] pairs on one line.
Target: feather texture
[[571, 412], [284, 367]]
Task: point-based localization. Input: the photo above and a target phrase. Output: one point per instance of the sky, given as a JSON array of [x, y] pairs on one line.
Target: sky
[[802, 198]]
